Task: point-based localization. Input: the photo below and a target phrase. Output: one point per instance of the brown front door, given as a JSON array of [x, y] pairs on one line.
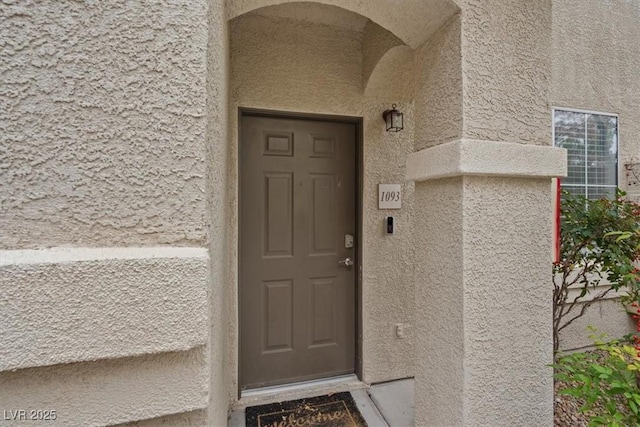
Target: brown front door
[[297, 301]]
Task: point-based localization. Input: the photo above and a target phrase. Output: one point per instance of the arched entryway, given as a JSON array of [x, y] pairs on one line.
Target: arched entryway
[[330, 63]]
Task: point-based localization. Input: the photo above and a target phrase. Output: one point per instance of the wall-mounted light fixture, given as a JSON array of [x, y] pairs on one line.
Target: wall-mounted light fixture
[[393, 119]]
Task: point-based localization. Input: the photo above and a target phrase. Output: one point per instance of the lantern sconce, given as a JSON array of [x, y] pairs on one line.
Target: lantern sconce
[[393, 119]]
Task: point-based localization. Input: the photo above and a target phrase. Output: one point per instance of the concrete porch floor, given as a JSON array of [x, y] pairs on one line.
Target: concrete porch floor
[[387, 404]]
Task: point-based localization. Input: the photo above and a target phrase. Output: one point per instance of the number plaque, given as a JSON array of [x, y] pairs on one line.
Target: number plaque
[[389, 196]]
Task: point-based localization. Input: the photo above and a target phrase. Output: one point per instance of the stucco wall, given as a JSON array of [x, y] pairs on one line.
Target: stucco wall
[[68, 310], [439, 376], [413, 23], [102, 109], [112, 154], [376, 41], [608, 316], [316, 68], [505, 217], [481, 316], [104, 335], [438, 83], [388, 260], [217, 192], [187, 419], [595, 66], [505, 64], [103, 112], [110, 391], [479, 233], [289, 65]]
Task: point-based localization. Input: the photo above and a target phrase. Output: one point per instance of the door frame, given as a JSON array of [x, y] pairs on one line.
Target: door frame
[[359, 178]]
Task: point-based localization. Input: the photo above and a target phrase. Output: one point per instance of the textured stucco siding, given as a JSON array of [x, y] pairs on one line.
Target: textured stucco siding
[[110, 392], [66, 312], [507, 301], [438, 83], [506, 70], [483, 339], [218, 196], [440, 376], [479, 234], [115, 130], [103, 127], [376, 41], [607, 316], [413, 22], [102, 119], [388, 260], [284, 64], [187, 419], [595, 65], [487, 158]]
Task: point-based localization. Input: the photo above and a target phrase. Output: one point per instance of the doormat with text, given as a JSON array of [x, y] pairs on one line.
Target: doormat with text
[[333, 410]]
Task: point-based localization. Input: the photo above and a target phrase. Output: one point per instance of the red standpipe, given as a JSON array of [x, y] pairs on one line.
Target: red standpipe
[[556, 225]]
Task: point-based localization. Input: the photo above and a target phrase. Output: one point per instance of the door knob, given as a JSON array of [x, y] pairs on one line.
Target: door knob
[[347, 262]]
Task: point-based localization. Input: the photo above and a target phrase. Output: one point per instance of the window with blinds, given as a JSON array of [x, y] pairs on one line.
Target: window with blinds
[[591, 140]]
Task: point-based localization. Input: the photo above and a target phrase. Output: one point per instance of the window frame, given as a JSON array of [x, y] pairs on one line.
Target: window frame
[[594, 112]]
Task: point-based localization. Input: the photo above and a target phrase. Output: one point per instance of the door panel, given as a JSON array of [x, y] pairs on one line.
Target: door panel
[[322, 320], [323, 210], [297, 303], [278, 209]]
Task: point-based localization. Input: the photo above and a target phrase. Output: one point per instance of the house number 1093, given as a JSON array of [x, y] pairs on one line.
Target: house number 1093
[[389, 196]]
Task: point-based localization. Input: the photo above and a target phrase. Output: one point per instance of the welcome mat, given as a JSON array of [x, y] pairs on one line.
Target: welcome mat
[[334, 410]]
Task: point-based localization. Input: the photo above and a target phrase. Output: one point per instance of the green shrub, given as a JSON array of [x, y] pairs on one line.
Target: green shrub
[[606, 381], [599, 242]]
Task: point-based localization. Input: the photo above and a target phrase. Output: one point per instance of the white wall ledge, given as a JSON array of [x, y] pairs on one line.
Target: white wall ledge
[[488, 158], [594, 291], [60, 254], [78, 304]]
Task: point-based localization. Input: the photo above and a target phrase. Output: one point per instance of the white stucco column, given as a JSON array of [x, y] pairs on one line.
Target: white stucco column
[[218, 194], [483, 297]]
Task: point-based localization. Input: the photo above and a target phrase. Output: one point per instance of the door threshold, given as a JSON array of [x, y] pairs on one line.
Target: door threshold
[[301, 390]]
